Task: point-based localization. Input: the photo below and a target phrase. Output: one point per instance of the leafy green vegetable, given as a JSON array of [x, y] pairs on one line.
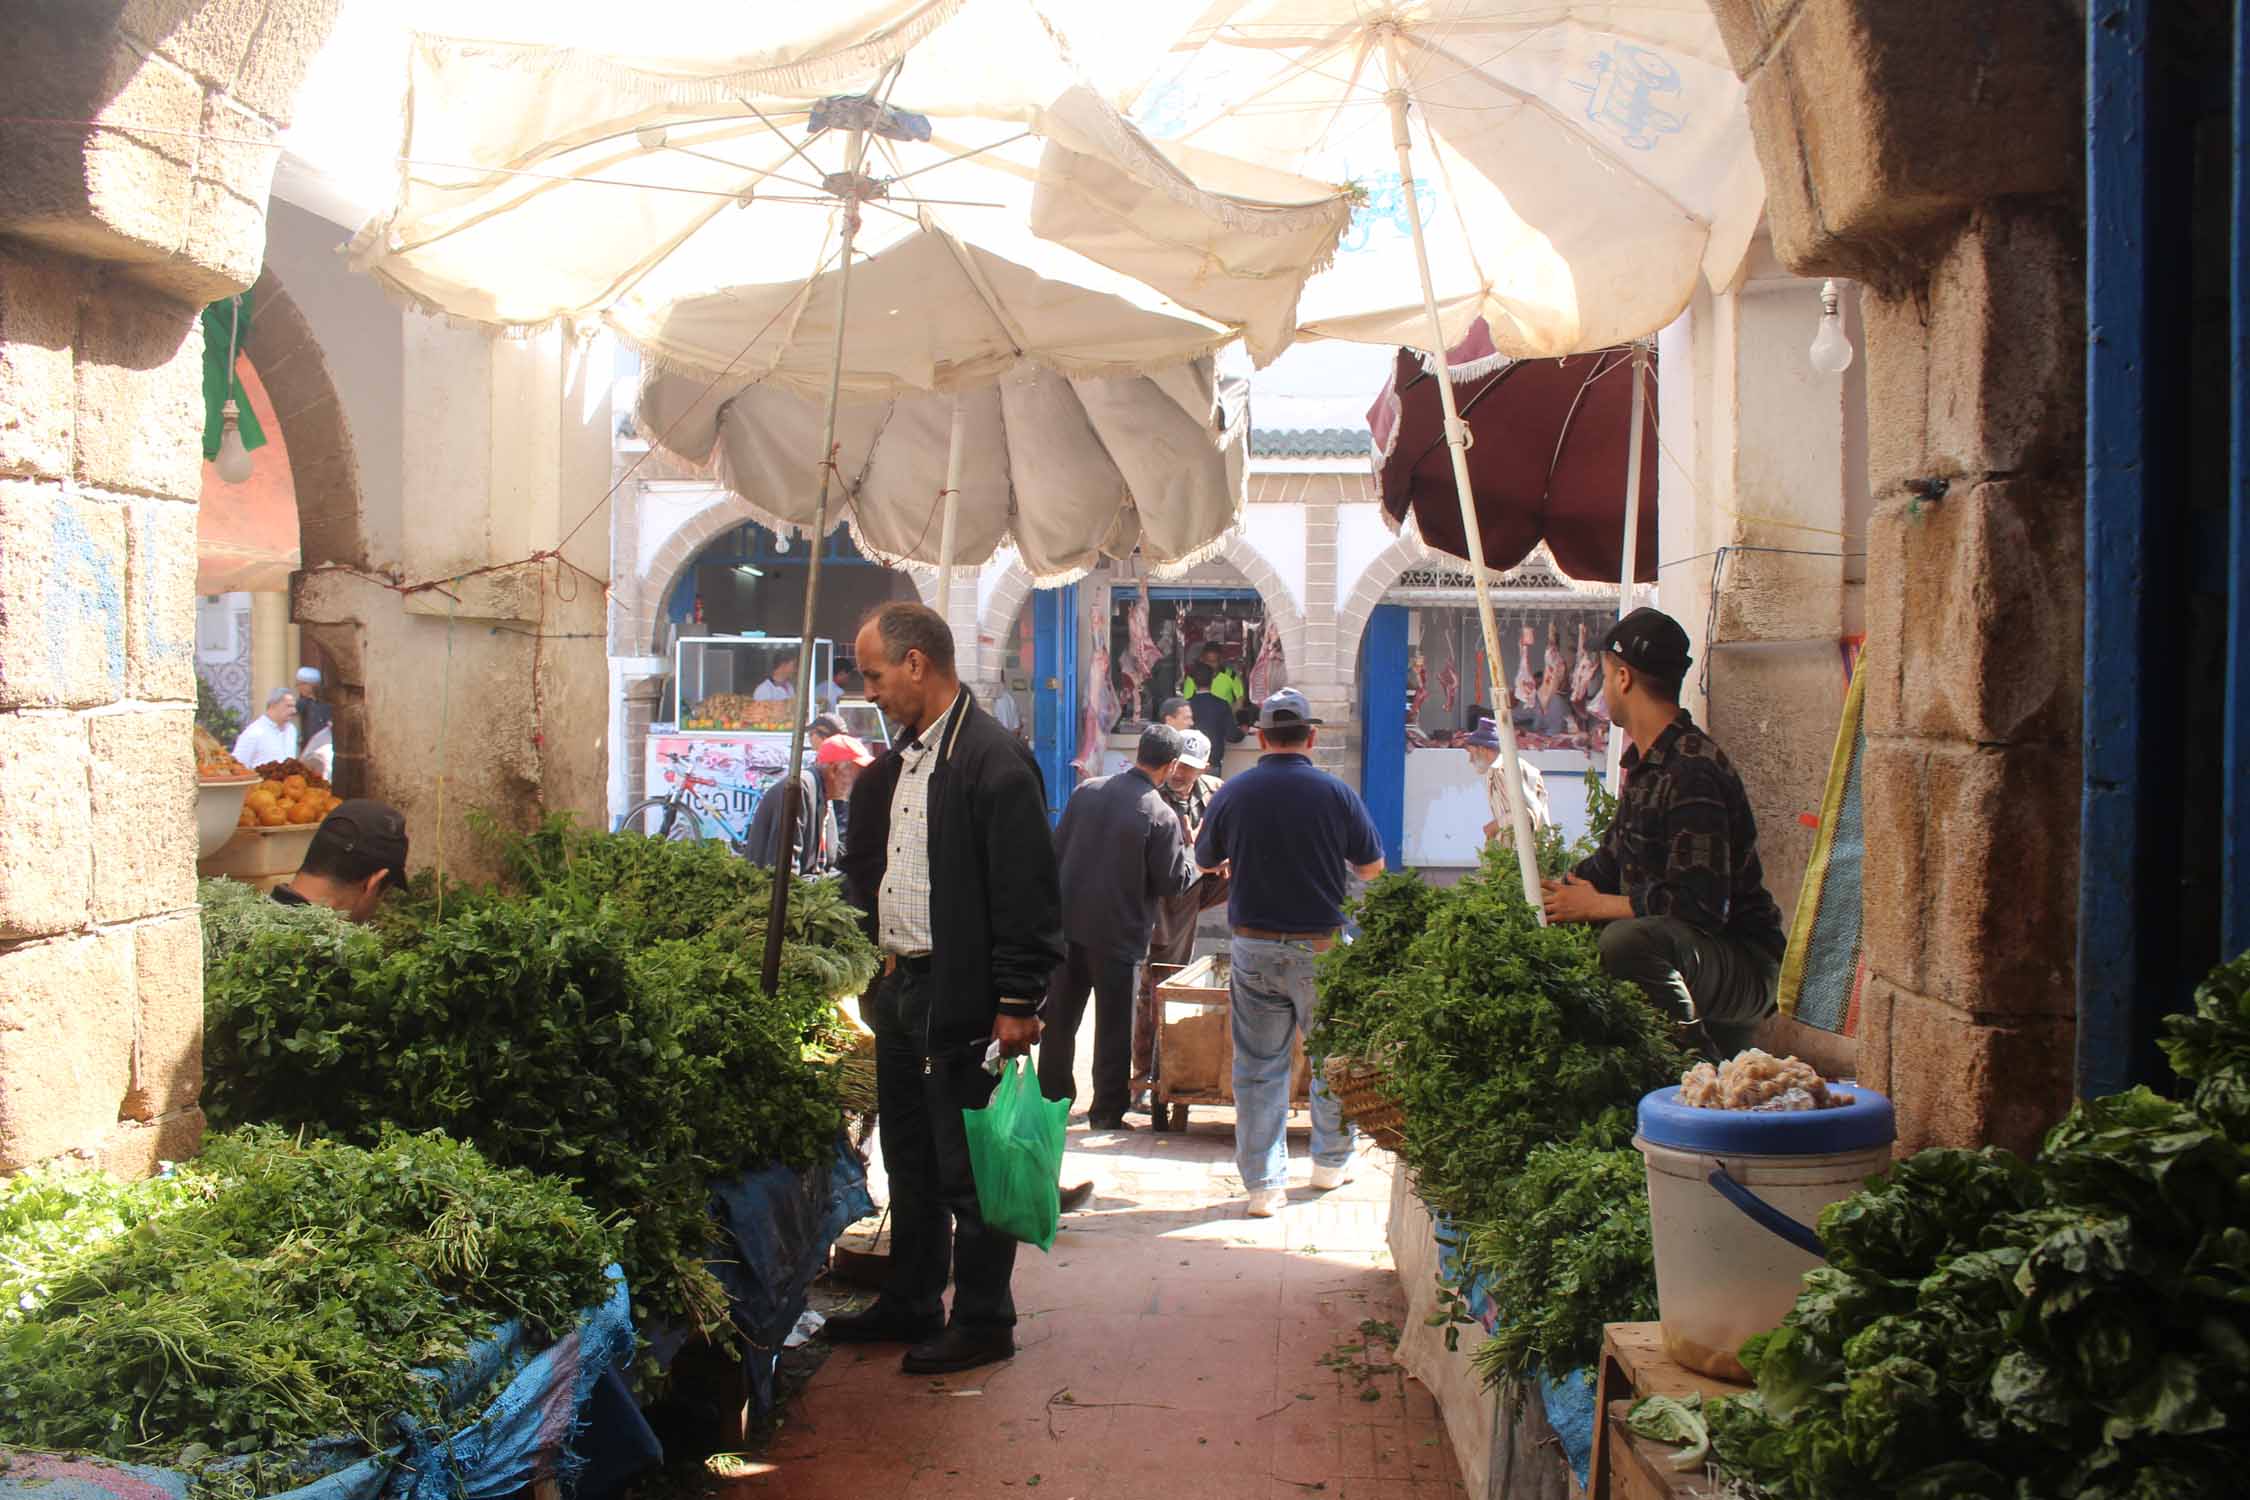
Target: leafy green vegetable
[[273, 1291], [1668, 1419], [1518, 1064], [600, 1017], [1567, 1251], [2078, 1326]]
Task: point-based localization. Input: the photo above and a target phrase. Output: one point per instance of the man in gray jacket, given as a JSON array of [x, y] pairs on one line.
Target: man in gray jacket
[[1121, 852]]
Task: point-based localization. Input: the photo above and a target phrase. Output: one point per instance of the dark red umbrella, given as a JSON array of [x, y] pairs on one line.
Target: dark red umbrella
[[1547, 456]]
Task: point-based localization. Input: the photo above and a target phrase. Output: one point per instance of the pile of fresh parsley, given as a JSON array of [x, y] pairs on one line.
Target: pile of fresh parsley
[[2077, 1325], [597, 1015], [274, 1291], [1518, 1064]]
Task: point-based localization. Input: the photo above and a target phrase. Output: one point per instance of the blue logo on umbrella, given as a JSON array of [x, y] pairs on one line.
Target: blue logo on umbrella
[[1384, 204], [1623, 92]]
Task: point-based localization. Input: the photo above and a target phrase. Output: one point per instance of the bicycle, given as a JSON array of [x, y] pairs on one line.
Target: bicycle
[[681, 812]]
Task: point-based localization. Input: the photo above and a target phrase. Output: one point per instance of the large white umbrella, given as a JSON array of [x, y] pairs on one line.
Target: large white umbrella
[[983, 406], [542, 184], [1567, 170]]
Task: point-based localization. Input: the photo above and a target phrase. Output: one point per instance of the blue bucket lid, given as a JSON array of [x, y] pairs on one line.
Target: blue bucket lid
[[1866, 1121]]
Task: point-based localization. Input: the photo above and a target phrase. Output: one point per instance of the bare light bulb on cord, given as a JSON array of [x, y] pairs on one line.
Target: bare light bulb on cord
[[234, 459], [1831, 352]]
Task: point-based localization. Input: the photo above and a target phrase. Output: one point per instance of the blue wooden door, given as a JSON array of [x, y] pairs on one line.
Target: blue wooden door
[[1055, 632], [1382, 719]]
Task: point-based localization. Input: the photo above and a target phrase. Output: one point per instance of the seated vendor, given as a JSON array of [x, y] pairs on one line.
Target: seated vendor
[[357, 855], [1677, 879]]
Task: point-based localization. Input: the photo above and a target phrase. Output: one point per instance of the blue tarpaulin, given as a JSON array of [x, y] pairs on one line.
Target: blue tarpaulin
[[528, 1432], [1567, 1397]]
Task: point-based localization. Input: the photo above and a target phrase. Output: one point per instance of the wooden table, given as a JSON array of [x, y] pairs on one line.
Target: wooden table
[[1634, 1365]]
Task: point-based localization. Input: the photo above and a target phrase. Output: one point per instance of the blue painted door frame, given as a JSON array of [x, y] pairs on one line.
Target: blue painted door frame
[[2151, 541], [1382, 719], [1056, 636]]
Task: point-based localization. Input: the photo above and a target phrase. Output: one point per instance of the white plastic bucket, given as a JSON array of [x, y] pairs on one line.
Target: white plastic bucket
[[1724, 1269]]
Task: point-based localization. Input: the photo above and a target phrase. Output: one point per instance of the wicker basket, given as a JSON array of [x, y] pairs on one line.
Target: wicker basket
[[1358, 1087]]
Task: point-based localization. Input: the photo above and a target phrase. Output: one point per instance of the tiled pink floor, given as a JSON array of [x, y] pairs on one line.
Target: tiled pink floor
[[1171, 1349]]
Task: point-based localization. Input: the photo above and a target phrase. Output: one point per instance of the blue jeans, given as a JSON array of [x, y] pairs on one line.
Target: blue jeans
[[1273, 1000]]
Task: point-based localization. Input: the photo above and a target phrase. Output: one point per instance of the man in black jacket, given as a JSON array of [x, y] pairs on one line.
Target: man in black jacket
[[949, 853]]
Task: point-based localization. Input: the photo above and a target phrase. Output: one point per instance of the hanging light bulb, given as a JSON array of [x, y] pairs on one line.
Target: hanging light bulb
[[781, 541], [1831, 352], [234, 459]]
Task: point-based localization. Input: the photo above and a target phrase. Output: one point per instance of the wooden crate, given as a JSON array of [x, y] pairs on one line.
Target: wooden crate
[[1195, 1046], [1633, 1366]]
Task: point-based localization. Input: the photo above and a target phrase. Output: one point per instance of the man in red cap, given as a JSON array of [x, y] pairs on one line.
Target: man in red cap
[[835, 766]]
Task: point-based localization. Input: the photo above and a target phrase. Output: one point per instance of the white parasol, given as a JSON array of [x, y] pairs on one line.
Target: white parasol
[[1565, 169], [676, 198]]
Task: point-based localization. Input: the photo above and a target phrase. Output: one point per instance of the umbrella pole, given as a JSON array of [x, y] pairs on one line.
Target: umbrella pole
[[952, 519], [1632, 532], [1457, 440], [785, 867]]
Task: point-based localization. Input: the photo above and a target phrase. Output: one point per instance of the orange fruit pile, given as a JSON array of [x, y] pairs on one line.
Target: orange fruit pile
[[287, 801]]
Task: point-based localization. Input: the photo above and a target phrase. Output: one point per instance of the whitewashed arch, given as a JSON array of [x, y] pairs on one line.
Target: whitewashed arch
[[1352, 614]]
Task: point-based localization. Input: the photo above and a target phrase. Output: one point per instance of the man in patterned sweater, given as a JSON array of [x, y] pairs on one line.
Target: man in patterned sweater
[[1677, 882]]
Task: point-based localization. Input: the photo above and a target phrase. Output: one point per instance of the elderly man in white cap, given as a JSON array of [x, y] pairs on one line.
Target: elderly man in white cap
[[1188, 791]]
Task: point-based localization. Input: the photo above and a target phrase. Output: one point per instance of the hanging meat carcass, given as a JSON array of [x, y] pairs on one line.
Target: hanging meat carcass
[[1527, 681], [1269, 673], [1101, 712], [1141, 651]]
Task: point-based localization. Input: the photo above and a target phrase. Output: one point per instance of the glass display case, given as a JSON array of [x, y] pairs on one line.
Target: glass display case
[[730, 684]]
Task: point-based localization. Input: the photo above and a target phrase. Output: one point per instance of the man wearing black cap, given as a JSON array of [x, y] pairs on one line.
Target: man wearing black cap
[[357, 856], [1290, 833], [1121, 852], [1677, 881]]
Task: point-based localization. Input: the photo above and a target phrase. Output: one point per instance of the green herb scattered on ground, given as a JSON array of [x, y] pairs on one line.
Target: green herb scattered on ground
[[273, 1291]]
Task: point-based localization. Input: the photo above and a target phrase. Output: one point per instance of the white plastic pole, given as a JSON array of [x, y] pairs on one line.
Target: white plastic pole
[[1457, 440], [952, 506], [785, 866], [1632, 533]]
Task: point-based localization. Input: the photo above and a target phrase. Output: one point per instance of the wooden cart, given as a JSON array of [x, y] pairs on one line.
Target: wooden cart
[[1194, 1056]]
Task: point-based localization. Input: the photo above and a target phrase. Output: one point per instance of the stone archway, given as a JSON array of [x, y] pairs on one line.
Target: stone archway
[[1353, 614], [331, 502]]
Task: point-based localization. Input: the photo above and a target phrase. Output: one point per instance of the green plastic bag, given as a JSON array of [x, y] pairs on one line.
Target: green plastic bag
[[1016, 1151]]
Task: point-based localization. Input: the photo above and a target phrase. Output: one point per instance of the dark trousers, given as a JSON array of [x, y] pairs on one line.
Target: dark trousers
[[937, 1229], [1715, 989], [1111, 981]]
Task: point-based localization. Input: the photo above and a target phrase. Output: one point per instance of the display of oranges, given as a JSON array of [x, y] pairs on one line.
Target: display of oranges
[[289, 795]]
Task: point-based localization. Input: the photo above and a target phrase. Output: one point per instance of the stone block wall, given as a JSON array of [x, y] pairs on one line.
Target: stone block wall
[[1931, 151], [112, 238]]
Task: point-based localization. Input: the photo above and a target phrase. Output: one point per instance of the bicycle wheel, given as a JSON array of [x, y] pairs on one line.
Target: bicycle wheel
[[662, 818]]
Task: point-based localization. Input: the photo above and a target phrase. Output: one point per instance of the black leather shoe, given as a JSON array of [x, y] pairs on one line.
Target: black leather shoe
[[880, 1325], [960, 1348], [1114, 1122], [1076, 1198]]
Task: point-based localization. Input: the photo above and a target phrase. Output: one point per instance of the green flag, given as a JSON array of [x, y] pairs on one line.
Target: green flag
[[221, 333]]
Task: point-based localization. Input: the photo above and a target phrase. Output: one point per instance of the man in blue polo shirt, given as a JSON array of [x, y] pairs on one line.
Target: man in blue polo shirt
[[1290, 834]]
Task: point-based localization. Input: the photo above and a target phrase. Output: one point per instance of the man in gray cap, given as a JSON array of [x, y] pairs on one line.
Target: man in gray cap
[[1677, 881], [1120, 852], [1291, 835]]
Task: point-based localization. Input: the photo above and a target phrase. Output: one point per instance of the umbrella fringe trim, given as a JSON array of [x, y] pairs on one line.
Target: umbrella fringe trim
[[851, 63], [1141, 160], [721, 472], [1064, 366]]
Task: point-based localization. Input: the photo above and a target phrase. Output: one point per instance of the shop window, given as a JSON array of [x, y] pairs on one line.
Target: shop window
[[1151, 659]]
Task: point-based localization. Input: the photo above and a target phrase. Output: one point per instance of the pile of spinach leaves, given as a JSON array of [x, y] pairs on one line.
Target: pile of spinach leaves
[[2078, 1325], [597, 1015], [273, 1291]]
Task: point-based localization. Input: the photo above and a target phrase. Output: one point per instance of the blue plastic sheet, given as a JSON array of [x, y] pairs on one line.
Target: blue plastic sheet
[[1568, 1397], [527, 1433]]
